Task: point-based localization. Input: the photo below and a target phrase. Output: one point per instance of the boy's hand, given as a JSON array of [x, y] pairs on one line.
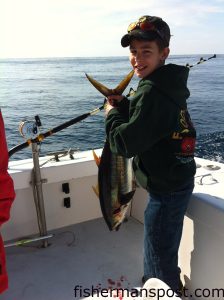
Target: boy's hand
[[114, 99], [112, 102]]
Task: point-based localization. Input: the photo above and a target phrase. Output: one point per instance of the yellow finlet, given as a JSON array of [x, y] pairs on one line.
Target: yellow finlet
[[96, 190], [96, 158]]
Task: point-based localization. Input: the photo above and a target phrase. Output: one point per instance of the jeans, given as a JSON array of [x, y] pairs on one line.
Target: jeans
[[163, 224]]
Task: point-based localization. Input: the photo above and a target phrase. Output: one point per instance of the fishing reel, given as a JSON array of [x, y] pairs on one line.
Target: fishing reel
[[30, 129]]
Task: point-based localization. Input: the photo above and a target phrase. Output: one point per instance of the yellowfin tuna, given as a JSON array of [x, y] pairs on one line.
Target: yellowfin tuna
[[116, 184]]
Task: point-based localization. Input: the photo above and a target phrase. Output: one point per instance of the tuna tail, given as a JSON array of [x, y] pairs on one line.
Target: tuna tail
[[106, 91], [124, 83]]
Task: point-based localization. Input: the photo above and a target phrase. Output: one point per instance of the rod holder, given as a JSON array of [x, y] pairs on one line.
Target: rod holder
[[38, 194]]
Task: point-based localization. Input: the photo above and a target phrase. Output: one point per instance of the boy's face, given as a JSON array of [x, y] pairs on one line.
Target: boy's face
[[145, 57]]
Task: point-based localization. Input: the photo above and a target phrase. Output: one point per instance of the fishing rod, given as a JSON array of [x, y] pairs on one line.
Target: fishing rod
[[105, 91], [50, 132], [200, 61], [32, 128]]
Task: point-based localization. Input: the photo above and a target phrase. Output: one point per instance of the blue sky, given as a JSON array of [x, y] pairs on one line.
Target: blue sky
[[69, 28]]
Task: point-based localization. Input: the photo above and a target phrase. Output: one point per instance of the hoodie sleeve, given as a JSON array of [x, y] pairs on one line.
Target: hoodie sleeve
[[7, 193], [150, 121]]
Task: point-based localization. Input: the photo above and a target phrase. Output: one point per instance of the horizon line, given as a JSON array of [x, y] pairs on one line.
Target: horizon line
[[105, 56]]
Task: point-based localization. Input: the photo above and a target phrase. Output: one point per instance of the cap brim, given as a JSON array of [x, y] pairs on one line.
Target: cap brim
[[139, 35]]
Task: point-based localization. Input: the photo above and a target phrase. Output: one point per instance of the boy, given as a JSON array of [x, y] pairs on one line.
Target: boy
[[7, 195], [155, 128]]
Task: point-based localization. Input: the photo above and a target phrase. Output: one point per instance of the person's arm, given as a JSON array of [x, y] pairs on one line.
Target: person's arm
[[7, 193], [150, 121]]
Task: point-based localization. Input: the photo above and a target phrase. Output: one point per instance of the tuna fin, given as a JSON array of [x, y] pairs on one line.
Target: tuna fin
[[99, 86], [96, 158], [106, 91], [124, 83], [96, 190]]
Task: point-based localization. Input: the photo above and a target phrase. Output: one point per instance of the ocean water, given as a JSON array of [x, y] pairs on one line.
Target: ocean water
[[56, 89]]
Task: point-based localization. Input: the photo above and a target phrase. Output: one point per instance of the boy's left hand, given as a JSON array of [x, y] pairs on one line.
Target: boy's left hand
[[112, 102]]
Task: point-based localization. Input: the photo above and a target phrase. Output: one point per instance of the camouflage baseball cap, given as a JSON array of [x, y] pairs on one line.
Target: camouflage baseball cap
[[147, 28]]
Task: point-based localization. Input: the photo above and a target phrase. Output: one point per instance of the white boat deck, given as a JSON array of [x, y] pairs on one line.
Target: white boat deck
[[83, 252], [86, 255]]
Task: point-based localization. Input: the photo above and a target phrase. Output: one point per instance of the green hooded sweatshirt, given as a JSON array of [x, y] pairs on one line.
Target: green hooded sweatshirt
[[157, 130]]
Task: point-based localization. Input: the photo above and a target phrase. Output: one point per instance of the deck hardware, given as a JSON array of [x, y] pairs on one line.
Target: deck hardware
[[212, 167], [67, 202], [59, 154], [71, 156], [213, 180], [28, 240], [43, 180], [65, 188]]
